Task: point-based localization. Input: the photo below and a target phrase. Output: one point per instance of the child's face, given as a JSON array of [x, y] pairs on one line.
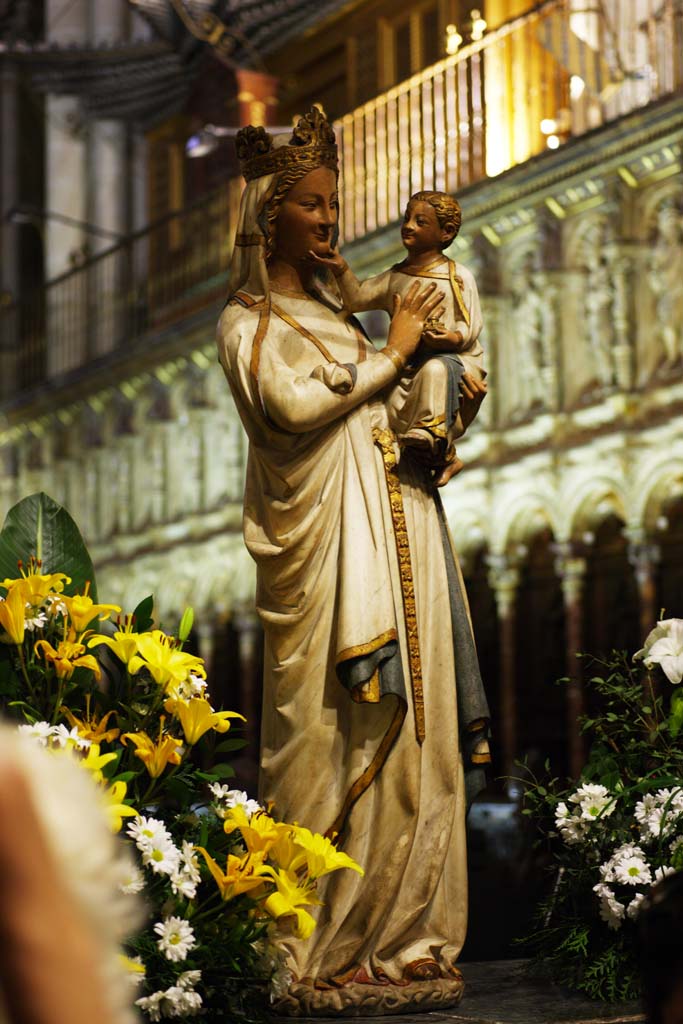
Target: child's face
[[420, 231]]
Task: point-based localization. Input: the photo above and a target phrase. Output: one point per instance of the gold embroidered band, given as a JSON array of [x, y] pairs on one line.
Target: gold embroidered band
[[371, 772], [384, 439]]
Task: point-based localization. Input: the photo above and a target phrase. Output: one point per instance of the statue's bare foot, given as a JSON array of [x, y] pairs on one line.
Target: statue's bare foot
[[452, 469]]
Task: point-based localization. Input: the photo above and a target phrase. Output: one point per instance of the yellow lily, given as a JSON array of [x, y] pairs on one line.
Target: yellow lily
[[67, 657], [82, 610], [90, 727], [94, 762], [242, 874], [196, 717], [288, 900], [132, 964], [116, 808], [259, 832], [166, 663], [155, 756], [124, 645], [38, 587], [318, 854], [12, 615]]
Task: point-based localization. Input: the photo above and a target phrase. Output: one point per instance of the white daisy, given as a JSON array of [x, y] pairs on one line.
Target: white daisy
[[229, 798], [162, 857], [40, 731], [632, 871], [611, 910], [132, 881], [181, 1002], [148, 832], [151, 1005], [177, 938], [63, 737], [595, 801], [188, 876], [633, 908], [35, 621], [188, 979]]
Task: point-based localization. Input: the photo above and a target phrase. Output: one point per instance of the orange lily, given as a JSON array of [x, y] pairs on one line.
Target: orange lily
[[242, 874], [288, 899], [196, 717], [90, 727], [82, 610], [259, 832], [67, 657], [38, 587], [155, 756], [165, 662], [115, 806], [12, 615]]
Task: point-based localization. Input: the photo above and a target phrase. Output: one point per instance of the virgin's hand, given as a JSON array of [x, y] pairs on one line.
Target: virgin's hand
[[409, 316], [472, 394]]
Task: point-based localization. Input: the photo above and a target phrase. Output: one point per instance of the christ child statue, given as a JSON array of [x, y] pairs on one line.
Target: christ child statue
[[424, 406]]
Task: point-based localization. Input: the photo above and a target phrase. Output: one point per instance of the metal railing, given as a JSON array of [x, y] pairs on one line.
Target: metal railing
[[557, 71], [146, 282]]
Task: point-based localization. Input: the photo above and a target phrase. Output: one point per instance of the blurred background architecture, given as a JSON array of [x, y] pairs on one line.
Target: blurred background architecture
[[558, 125]]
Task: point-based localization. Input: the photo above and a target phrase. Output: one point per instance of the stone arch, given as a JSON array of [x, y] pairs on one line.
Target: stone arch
[[661, 481], [588, 503], [647, 210], [524, 517]]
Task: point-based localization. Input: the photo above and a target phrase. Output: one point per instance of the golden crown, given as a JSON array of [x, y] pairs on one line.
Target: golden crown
[[312, 140]]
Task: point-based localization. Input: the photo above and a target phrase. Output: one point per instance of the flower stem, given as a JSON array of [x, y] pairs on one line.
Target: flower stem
[[29, 685]]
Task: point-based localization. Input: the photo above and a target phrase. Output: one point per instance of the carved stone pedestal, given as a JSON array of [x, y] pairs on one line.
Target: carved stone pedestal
[[356, 1000]]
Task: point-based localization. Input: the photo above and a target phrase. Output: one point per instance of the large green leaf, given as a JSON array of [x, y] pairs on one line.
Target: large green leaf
[[37, 526]]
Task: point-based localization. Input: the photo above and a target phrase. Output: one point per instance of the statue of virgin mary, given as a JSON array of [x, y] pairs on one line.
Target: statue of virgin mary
[[374, 721]]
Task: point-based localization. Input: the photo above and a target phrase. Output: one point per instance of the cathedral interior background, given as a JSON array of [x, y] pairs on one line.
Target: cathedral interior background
[[559, 127]]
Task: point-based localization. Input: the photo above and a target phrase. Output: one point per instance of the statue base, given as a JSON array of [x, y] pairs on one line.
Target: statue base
[[361, 1000]]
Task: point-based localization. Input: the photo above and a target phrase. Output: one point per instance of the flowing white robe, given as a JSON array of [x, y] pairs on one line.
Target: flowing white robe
[[333, 585]]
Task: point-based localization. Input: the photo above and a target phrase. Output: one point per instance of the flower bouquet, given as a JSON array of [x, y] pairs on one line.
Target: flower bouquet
[[620, 829], [223, 880]]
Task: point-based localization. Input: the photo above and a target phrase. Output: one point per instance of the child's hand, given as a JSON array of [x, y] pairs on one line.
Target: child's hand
[[438, 339], [333, 260]]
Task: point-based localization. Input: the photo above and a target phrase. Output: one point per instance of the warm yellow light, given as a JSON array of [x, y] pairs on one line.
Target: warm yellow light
[[576, 87], [552, 142], [548, 126], [478, 24], [453, 40]]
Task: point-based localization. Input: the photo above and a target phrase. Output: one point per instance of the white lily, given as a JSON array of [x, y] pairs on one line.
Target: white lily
[[664, 646]]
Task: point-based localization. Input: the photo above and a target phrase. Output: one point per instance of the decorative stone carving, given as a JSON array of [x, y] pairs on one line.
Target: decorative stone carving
[[665, 277]]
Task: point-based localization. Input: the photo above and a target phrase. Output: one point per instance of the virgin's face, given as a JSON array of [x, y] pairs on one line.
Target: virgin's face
[[308, 216]]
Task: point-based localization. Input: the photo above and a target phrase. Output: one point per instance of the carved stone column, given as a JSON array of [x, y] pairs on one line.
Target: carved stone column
[[572, 571], [644, 556], [504, 581], [622, 274]]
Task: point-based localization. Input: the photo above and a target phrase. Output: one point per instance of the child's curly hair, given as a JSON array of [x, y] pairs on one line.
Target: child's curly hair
[[448, 212]]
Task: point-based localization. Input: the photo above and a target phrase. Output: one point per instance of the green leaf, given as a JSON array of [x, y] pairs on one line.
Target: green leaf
[[223, 771], [676, 716], [40, 527], [228, 745], [143, 614]]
